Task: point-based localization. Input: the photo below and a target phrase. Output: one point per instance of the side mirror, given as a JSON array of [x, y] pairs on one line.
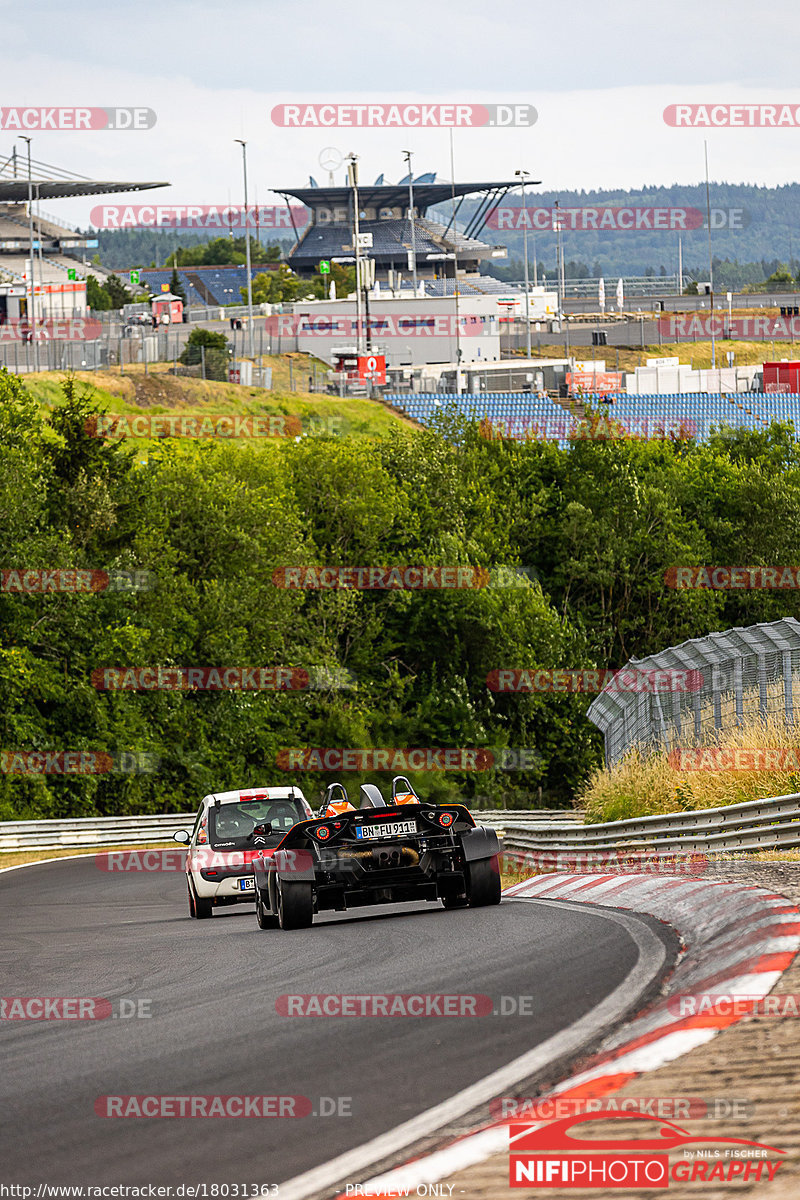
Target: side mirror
[[264, 829], [181, 836]]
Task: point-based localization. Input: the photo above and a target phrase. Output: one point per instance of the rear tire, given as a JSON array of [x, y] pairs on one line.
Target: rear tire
[[454, 900], [295, 904], [266, 919], [200, 909], [483, 882]]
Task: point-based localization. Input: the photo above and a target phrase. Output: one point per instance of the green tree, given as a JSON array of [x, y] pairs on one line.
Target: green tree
[[176, 287], [276, 287], [97, 297], [780, 276], [213, 349], [118, 294]]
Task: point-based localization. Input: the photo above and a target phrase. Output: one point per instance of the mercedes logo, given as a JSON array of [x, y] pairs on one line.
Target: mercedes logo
[[330, 159]]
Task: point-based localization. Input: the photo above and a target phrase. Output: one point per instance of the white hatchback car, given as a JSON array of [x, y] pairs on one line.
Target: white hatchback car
[[222, 843]]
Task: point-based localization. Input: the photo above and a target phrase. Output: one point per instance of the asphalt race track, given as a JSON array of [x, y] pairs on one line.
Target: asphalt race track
[[73, 930]]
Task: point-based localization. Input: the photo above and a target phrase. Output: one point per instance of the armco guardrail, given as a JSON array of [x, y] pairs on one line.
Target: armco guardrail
[[769, 824], [530, 816], [92, 831], [159, 827]]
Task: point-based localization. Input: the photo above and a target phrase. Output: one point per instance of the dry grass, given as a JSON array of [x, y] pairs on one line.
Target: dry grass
[[641, 785], [160, 392], [15, 858]]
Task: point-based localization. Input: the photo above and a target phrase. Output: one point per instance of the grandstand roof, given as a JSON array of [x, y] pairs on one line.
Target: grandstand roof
[[15, 191], [392, 195], [51, 183]]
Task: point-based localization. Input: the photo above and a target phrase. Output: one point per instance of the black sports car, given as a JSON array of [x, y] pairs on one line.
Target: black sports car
[[377, 853]]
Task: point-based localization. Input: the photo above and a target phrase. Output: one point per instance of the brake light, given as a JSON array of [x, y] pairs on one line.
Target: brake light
[[321, 833], [446, 819]]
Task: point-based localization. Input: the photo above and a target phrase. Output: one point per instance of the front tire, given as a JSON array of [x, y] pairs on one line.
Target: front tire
[[483, 882], [295, 904], [266, 919]]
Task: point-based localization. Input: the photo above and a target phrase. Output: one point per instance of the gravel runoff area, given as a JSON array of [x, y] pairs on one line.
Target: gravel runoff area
[[750, 1072]]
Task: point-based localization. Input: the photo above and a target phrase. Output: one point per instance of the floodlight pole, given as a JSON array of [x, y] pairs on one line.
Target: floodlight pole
[[455, 262], [247, 254], [523, 175], [560, 264], [32, 314], [710, 266], [352, 176], [407, 157], [41, 266]]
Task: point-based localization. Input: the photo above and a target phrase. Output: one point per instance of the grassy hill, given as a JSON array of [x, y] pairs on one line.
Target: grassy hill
[[159, 392]]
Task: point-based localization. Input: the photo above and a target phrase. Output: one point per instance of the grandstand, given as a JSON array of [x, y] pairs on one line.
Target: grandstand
[[383, 213], [221, 286], [59, 248], [206, 285], [480, 285], [747, 410], [538, 417]]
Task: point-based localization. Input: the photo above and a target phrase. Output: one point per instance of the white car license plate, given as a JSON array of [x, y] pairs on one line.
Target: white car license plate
[[385, 829], [247, 883]]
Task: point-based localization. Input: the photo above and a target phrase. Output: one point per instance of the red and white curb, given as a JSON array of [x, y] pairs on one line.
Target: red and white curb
[[739, 941]]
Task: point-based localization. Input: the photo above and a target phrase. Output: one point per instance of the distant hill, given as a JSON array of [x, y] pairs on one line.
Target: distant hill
[[757, 228], [749, 225]]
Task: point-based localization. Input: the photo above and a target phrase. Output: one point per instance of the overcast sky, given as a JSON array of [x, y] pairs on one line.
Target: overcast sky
[[599, 75]]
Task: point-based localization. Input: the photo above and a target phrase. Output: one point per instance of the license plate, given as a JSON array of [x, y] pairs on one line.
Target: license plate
[[247, 883], [385, 829]]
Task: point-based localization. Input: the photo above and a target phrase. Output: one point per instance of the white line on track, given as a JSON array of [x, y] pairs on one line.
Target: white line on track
[[650, 961]]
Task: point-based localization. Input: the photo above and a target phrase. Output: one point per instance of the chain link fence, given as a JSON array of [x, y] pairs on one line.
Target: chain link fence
[[686, 695]]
